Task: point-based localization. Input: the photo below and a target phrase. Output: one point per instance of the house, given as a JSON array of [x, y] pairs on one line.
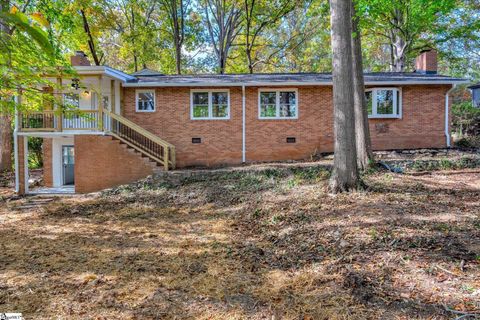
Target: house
[[111, 128], [475, 95]]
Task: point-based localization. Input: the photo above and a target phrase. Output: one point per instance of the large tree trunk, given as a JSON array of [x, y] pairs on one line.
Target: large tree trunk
[[362, 131], [5, 118], [5, 142], [345, 173]]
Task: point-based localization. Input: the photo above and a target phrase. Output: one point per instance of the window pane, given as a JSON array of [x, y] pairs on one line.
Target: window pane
[[219, 98], [220, 111], [288, 110], [219, 104], [200, 98], [288, 98], [200, 111], [385, 102], [269, 110], [369, 98], [268, 98], [146, 101]]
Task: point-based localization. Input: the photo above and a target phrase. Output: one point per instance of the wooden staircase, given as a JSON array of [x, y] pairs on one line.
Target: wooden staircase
[[140, 140]]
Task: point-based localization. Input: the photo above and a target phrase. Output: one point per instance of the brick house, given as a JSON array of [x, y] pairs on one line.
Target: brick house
[[108, 128]]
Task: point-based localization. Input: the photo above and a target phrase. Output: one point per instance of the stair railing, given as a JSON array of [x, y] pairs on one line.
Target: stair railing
[[140, 139]]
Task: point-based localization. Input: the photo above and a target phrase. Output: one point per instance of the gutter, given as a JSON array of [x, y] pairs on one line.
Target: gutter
[[244, 149], [280, 83], [15, 146], [447, 120]]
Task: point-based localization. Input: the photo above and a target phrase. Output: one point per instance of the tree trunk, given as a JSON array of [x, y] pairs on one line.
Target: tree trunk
[[5, 118], [91, 43], [345, 173], [362, 130], [5, 142], [178, 58]]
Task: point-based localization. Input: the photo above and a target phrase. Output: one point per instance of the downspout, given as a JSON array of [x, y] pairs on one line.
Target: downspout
[[15, 146], [243, 126], [447, 120]]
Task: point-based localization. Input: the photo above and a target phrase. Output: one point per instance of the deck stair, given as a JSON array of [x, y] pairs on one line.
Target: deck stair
[[140, 140]]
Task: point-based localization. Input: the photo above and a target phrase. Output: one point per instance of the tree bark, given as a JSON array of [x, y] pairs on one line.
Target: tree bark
[[5, 117], [91, 43], [362, 130], [345, 173]]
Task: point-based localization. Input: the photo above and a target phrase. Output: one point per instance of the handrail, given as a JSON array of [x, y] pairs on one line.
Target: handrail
[[136, 127], [119, 127], [140, 139]]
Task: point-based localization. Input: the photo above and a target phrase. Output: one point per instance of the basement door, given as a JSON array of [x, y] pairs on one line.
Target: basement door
[[68, 161]]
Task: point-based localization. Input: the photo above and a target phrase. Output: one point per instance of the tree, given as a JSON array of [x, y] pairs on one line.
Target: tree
[[5, 120], [223, 19], [260, 16], [404, 25], [345, 173], [362, 130], [25, 51], [176, 12]]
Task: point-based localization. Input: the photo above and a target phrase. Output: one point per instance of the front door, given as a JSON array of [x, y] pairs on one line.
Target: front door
[[68, 161]]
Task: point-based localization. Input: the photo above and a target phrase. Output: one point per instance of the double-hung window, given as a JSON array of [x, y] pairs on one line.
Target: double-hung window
[[210, 104], [145, 100], [384, 102], [278, 104]]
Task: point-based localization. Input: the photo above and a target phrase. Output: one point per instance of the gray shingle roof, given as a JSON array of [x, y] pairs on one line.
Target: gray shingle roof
[[279, 78]]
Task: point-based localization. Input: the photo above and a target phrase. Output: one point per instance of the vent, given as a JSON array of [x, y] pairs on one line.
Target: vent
[[291, 140], [196, 140]]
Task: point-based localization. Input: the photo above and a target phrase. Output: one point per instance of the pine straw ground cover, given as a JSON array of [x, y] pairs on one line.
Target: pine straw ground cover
[[267, 245]]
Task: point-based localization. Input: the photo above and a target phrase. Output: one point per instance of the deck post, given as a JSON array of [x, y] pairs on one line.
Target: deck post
[[100, 104], [59, 108], [165, 157]]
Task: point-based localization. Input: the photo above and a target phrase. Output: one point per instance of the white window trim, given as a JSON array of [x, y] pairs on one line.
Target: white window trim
[[277, 103], [396, 104], [137, 92], [210, 111]]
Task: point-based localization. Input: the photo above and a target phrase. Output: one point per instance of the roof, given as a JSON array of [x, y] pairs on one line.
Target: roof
[[475, 86], [377, 78], [146, 73]]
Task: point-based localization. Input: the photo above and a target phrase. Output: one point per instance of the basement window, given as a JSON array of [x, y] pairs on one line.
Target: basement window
[[384, 102], [278, 104], [145, 100], [210, 104]]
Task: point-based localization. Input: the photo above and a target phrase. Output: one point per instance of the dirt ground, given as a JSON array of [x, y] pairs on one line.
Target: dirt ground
[[266, 245]]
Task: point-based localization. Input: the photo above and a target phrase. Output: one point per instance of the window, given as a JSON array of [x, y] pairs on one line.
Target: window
[[210, 104], [384, 102], [71, 100], [145, 100], [278, 104]]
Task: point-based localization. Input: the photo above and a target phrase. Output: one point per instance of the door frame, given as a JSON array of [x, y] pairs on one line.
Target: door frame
[[62, 164]]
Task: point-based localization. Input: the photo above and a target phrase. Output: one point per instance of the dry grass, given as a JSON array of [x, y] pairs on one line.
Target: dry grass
[[267, 245]]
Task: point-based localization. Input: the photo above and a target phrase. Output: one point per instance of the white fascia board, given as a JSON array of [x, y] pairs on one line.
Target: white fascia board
[[282, 84], [116, 74]]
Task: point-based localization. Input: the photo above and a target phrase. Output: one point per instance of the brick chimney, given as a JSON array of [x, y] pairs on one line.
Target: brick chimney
[[426, 62], [79, 59]]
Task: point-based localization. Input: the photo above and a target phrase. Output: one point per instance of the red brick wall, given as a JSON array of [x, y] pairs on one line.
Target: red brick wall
[[101, 162], [221, 139], [421, 126], [47, 162]]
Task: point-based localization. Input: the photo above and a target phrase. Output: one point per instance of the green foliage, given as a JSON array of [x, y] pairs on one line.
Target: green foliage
[[35, 153], [465, 119]]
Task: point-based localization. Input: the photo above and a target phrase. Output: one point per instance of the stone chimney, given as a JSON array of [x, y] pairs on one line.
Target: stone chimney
[[79, 59], [426, 62]]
